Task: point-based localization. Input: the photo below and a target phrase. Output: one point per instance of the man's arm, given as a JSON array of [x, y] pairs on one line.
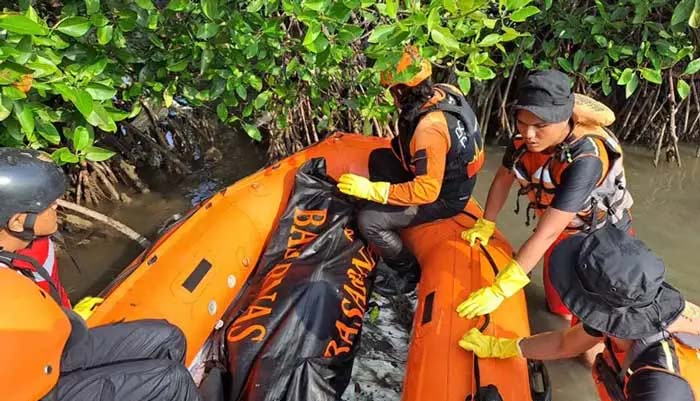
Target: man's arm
[[498, 193], [428, 149], [560, 344]]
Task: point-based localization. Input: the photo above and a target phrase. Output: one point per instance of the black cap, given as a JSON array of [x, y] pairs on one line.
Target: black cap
[[546, 94], [614, 284]]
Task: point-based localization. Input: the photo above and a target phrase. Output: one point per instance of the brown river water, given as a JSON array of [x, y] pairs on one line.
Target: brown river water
[[665, 213]]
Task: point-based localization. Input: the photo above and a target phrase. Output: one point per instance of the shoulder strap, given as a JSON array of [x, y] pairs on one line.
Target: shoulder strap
[[8, 258], [638, 347]]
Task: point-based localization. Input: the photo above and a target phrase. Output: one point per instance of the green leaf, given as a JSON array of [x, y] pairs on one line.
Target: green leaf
[[547, 4], [74, 26], [22, 25], [177, 66], [445, 38], [262, 99], [683, 89], [631, 85], [524, 13], [42, 67], [118, 39], [312, 33], [578, 58], [434, 18], [694, 19], [96, 68], [484, 73], [316, 5], [83, 102], [350, 33], [626, 76], [392, 6], [63, 156], [99, 20], [254, 6], [207, 56], [516, 4], [210, 8], [565, 64], [81, 139], [117, 114], [156, 41], [178, 5], [653, 76], [11, 73], [101, 119], [92, 6], [682, 12], [601, 40], [153, 21], [25, 116], [100, 92], [222, 112], [509, 34], [693, 67], [5, 107], [48, 132], [450, 5], [252, 132], [127, 20], [465, 84], [104, 34], [318, 45], [489, 23], [607, 89], [242, 92], [380, 33], [145, 4], [12, 93], [97, 154], [490, 40]]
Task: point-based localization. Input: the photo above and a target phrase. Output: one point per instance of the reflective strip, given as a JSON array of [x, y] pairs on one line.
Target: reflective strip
[[595, 146], [47, 265], [519, 174], [669, 357]]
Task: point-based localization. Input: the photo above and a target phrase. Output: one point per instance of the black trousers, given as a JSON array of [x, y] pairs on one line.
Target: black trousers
[[134, 361], [379, 224]]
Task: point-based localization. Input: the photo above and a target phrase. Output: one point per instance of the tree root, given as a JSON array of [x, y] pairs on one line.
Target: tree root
[[120, 227]]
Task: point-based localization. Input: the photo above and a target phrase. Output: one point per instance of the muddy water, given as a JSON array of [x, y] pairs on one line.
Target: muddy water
[[667, 206]]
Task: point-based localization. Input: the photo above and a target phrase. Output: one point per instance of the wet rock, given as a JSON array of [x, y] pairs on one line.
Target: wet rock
[[125, 198], [213, 155]]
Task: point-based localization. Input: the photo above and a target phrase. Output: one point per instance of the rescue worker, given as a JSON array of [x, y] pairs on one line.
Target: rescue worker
[[615, 286], [428, 174], [569, 166], [29, 188], [139, 360]]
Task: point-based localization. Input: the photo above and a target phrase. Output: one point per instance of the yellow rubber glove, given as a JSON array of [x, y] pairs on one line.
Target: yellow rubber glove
[[490, 347], [361, 187], [485, 300], [86, 306], [483, 230]]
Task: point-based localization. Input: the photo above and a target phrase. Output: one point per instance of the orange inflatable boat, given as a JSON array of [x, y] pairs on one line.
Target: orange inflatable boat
[[199, 266]]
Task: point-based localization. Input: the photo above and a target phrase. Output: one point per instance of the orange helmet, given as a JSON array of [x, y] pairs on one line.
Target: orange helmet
[[409, 57], [33, 332]]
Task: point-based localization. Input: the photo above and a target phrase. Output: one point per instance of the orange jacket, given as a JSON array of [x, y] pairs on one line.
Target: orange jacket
[[432, 147]]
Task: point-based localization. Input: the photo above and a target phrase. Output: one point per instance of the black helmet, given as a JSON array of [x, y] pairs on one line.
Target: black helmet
[[29, 183]]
